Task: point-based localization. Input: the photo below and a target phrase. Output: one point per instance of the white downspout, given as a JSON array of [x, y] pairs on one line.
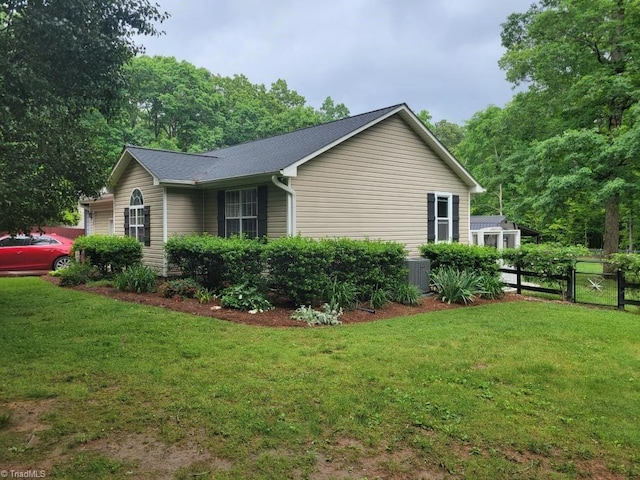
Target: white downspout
[[291, 204], [165, 228]]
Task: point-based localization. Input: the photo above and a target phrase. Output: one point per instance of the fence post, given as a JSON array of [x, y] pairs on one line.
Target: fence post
[[518, 280], [621, 288], [571, 297]]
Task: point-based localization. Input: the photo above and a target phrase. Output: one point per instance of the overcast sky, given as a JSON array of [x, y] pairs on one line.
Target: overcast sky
[[438, 55]]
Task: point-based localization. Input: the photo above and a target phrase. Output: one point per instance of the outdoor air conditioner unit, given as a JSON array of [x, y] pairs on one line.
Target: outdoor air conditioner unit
[[419, 269]]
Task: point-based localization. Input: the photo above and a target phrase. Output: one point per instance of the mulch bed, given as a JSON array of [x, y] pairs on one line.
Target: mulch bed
[[281, 315]]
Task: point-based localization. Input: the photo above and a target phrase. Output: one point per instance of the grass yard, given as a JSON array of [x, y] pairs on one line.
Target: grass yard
[[95, 388]]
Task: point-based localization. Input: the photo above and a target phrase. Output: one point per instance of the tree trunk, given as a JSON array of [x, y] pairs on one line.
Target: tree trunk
[[611, 228]]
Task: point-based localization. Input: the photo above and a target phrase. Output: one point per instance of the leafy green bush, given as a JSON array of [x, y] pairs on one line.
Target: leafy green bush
[[110, 254], [298, 268], [136, 278], [458, 256], [180, 288], [329, 316], [629, 263], [378, 298], [490, 286], [406, 293], [547, 260], [216, 261], [341, 294], [78, 274], [244, 297], [367, 264], [455, 286]]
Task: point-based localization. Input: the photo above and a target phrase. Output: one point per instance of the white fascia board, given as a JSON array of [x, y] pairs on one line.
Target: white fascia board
[[292, 170]]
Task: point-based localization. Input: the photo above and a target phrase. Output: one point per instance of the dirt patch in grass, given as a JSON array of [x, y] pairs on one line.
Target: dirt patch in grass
[[281, 315]]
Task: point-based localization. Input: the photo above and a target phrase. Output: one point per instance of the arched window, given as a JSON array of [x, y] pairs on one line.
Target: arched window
[[136, 218]]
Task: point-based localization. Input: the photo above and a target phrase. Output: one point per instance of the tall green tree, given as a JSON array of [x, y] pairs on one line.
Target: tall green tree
[[581, 62], [60, 76]]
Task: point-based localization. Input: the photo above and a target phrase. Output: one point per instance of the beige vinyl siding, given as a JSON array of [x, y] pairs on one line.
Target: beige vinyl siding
[[137, 177], [276, 210], [184, 211], [375, 186], [100, 216]]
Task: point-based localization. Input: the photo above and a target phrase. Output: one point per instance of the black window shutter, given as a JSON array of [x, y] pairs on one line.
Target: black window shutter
[[456, 218], [262, 211], [126, 222], [146, 222], [431, 217], [221, 222]]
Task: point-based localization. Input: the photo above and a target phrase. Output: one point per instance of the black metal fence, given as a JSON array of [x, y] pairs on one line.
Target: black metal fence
[[589, 283]]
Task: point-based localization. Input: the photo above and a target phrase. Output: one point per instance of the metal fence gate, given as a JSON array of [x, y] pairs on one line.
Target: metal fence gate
[[595, 282]]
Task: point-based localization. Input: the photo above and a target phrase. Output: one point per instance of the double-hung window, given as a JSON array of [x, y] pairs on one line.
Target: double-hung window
[[443, 217], [241, 212]]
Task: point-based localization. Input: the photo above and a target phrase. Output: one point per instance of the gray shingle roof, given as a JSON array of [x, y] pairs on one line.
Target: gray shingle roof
[[478, 222], [266, 156]]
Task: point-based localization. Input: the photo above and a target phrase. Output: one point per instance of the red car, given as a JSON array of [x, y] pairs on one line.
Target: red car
[[35, 252]]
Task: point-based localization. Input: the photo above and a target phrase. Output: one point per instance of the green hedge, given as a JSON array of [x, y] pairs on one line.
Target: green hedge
[[215, 261], [545, 259], [110, 254], [475, 258], [301, 268], [370, 265], [298, 268], [629, 263], [295, 267]]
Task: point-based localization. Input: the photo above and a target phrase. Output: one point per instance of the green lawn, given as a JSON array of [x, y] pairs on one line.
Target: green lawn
[[94, 388]]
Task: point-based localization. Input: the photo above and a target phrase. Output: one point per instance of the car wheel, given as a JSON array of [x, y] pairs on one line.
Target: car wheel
[[61, 262]]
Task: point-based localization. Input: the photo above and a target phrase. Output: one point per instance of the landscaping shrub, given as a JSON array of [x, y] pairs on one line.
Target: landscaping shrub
[[341, 294], [629, 263], [204, 295], [329, 316], [298, 268], [78, 274], [110, 254], [455, 286], [216, 261], [180, 288], [378, 298], [490, 286], [368, 264], [457, 256], [244, 297], [406, 293], [547, 260], [136, 278]]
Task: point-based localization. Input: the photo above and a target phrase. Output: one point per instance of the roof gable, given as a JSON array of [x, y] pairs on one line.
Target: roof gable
[[281, 154]]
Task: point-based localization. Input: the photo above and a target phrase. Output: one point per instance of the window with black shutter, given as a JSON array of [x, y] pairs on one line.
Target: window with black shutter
[[242, 212]]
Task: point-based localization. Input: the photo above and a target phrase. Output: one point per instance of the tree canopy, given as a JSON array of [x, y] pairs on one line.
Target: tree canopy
[[60, 78], [563, 156]]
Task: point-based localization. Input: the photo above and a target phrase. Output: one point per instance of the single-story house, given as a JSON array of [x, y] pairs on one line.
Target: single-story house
[[499, 232], [378, 175]]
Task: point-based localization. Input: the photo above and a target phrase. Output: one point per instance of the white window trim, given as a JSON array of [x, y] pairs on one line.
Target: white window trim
[[240, 216], [139, 216], [449, 197]]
